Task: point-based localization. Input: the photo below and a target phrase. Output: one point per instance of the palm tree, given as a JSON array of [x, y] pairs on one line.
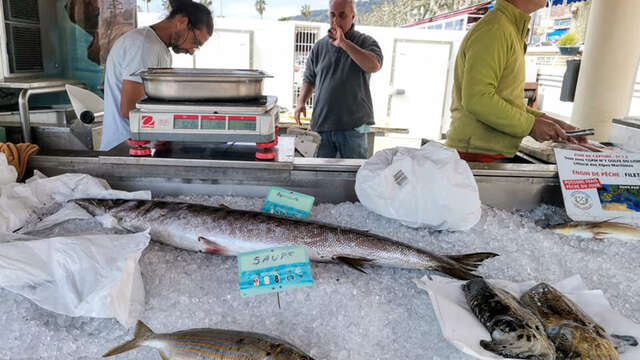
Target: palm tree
[[261, 5], [305, 11]]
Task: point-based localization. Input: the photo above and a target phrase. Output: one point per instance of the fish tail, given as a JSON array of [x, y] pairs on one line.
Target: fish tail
[[463, 266], [141, 333]]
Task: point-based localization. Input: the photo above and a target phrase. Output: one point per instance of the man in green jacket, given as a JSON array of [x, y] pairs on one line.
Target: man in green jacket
[[489, 116]]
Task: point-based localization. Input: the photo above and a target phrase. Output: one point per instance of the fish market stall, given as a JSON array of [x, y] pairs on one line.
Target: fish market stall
[[507, 186], [346, 314]]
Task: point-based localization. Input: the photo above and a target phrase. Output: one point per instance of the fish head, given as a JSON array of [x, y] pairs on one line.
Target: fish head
[[513, 339], [95, 207], [569, 228], [114, 207], [580, 342]]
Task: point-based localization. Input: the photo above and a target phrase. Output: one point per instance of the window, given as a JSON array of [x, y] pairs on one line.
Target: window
[[454, 25], [435, 27], [306, 36], [562, 23]]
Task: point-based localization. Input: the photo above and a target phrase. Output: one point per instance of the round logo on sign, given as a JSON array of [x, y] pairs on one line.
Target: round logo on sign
[[581, 200]]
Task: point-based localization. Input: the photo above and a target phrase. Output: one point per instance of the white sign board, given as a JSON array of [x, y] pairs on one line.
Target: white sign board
[[600, 186]]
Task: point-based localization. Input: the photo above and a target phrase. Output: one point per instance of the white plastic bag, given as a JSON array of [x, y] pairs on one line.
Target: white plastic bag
[[91, 275], [430, 186], [18, 201], [8, 173]]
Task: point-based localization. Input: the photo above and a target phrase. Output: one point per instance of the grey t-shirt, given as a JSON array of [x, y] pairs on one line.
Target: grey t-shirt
[[342, 97]]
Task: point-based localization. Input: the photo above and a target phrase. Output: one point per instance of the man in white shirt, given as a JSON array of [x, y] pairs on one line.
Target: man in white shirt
[[188, 26]]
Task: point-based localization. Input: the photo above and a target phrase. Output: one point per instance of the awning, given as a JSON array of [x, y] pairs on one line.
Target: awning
[[556, 34], [561, 2]]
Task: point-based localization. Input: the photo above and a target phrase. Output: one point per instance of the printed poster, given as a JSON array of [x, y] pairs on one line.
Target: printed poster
[[600, 186]]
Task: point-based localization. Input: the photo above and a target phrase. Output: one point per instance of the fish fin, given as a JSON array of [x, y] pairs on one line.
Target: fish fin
[[499, 349], [620, 341], [163, 356], [211, 247], [470, 262], [355, 263], [457, 272], [223, 206], [600, 235], [141, 333]]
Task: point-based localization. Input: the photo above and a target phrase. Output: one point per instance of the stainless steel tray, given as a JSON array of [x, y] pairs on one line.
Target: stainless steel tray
[[183, 84]]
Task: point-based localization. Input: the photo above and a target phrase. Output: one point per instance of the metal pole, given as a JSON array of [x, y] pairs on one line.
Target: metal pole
[[23, 107]]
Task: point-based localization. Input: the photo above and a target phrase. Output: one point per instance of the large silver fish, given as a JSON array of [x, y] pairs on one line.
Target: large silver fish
[[221, 230], [515, 331], [575, 334], [210, 344]]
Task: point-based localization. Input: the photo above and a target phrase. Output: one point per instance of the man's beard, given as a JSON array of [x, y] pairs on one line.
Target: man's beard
[[175, 46]]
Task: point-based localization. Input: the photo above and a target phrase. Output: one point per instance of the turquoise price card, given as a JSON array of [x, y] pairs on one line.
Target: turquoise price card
[[273, 270], [284, 202]]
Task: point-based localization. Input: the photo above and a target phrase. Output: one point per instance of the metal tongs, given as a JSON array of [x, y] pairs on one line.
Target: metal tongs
[[580, 132]]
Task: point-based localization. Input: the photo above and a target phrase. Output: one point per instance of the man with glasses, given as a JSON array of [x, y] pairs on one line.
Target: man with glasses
[[188, 26]]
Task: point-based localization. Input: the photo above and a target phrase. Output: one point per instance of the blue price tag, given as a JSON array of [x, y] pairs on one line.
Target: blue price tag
[[273, 270], [284, 202]]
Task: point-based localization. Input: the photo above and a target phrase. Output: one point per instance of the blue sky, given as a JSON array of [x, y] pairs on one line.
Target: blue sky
[[246, 8]]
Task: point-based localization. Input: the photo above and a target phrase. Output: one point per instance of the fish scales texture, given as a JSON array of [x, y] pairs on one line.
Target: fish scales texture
[[209, 344], [574, 333], [515, 331], [226, 231]]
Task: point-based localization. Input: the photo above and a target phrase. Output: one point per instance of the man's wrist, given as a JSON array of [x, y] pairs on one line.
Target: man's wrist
[[346, 44]]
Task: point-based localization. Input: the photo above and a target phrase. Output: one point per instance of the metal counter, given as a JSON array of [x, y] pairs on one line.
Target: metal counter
[[506, 186]]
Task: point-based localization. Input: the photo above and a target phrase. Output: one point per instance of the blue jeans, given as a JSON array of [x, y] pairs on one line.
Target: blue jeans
[[350, 144]]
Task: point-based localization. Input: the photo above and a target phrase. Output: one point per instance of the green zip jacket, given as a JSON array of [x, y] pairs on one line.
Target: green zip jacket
[[488, 112]]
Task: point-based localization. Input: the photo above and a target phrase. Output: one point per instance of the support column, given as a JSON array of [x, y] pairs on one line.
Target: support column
[[609, 65]]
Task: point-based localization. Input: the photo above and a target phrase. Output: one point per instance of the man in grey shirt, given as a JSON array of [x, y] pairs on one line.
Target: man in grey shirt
[[339, 68]]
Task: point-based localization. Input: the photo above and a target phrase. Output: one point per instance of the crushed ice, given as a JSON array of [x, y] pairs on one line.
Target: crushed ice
[[346, 314]]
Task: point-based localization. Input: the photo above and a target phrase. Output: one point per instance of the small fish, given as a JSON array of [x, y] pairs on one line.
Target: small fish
[[210, 344], [515, 331], [574, 333], [221, 230], [599, 230]]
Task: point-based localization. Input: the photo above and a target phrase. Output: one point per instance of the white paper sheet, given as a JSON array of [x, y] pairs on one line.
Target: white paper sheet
[[460, 327]]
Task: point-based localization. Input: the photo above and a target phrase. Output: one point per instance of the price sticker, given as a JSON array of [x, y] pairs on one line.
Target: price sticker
[[284, 202], [273, 270]]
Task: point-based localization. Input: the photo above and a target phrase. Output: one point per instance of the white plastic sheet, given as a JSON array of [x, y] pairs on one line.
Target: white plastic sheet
[[8, 173], [460, 327], [92, 275], [18, 201], [430, 186]]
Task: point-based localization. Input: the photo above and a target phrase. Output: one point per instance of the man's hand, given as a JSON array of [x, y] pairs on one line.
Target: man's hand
[[300, 108], [337, 37], [544, 130]]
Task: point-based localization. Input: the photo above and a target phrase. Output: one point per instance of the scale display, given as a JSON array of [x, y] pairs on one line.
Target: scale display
[[185, 122]]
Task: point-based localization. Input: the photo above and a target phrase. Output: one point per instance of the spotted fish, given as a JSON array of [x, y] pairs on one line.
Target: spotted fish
[[574, 333], [515, 331], [221, 230], [210, 344]]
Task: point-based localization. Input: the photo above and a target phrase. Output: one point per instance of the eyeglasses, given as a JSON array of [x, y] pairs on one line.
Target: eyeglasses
[[196, 42]]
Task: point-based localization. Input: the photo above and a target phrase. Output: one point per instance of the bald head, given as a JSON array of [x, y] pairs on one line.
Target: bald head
[[341, 14]]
